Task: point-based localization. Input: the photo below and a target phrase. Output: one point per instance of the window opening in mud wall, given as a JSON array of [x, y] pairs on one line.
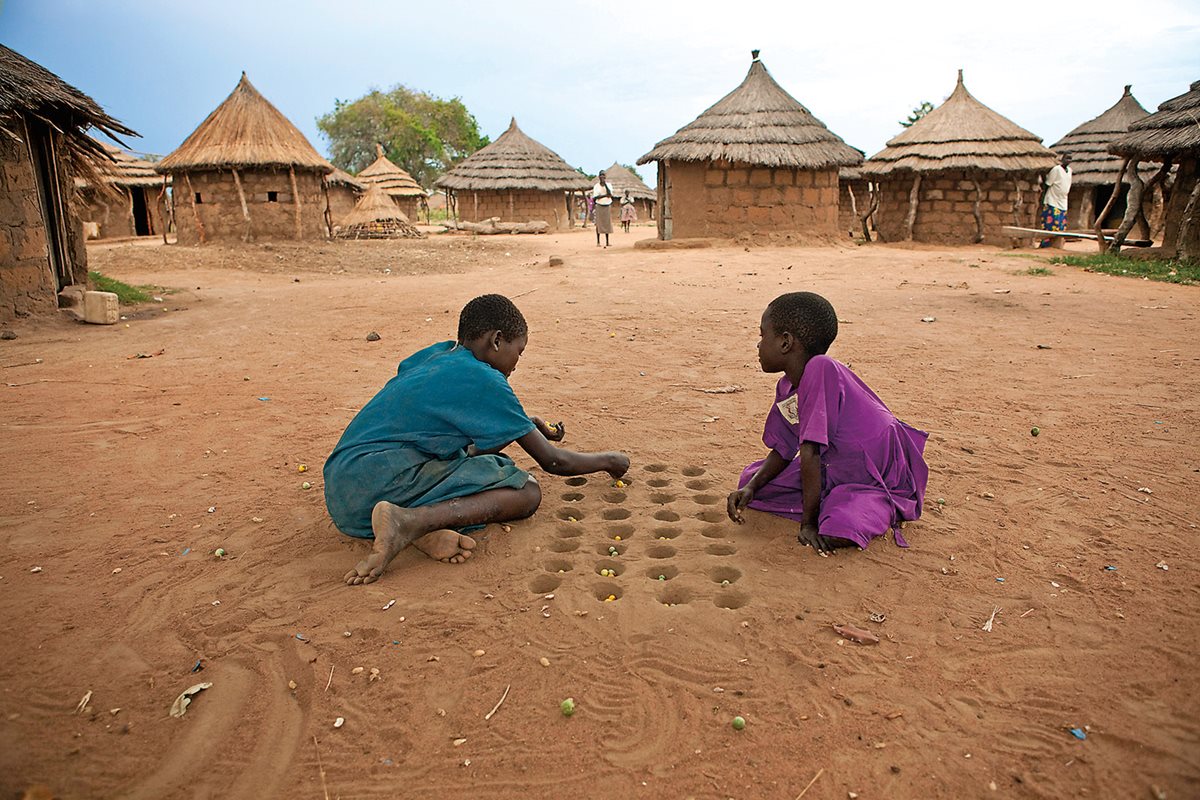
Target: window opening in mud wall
[[272, 197], [199, 199]]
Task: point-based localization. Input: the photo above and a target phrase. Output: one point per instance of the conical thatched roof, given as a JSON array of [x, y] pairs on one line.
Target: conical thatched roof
[[622, 179], [514, 161], [394, 181], [962, 133], [121, 168], [29, 89], [1087, 145], [375, 216], [1170, 132], [342, 178], [245, 131], [757, 123]]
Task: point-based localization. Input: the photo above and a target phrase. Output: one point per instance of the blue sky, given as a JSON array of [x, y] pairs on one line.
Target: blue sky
[[602, 82]]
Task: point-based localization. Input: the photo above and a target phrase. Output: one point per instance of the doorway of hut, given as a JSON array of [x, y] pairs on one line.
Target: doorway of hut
[[142, 225], [1117, 212], [48, 175]]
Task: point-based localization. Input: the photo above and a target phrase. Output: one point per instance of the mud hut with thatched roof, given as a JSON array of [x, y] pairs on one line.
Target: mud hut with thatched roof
[[43, 147], [644, 198], [343, 191], [375, 216], [1093, 168], [958, 175], [397, 184], [245, 174], [1171, 137], [516, 179], [755, 162], [131, 200]]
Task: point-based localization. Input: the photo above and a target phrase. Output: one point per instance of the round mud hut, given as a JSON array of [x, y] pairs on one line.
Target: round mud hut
[[644, 198], [757, 162], [128, 200], [1171, 137], [958, 175], [343, 190], [516, 179], [397, 184], [247, 174], [1093, 169], [375, 216]]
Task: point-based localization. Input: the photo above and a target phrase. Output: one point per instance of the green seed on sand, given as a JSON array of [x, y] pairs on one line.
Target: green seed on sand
[[739, 723], [662, 577], [306, 485], [567, 707], [219, 552], [1034, 431]]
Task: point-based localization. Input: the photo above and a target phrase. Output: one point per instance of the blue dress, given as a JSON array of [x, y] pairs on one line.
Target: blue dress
[[408, 445]]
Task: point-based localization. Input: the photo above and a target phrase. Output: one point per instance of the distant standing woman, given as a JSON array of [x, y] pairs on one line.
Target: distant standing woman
[[602, 193], [628, 212]]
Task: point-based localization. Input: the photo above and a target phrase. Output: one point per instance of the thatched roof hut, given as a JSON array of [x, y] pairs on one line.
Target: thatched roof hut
[[395, 182], [980, 171], [128, 200], [755, 161], [1093, 168], [43, 147], [515, 178], [247, 173], [342, 190], [644, 198], [375, 216], [1171, 135]]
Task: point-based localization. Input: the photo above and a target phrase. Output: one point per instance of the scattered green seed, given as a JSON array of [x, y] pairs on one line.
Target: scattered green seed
[[1034, 431], [662, 577], [219, 552], [739, 723], [568, 707], [306, 485]]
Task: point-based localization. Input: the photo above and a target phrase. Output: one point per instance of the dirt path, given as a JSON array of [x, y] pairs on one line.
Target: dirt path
[[122, 475]]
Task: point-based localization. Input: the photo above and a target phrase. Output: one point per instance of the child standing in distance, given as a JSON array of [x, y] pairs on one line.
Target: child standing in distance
[[841, 464], [421, 461]]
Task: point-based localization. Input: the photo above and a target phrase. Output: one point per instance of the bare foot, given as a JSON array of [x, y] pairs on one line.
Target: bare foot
[[395, 529], [449, 546]]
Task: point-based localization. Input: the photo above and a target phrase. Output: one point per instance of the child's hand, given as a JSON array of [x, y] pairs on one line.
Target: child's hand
[[809, 535], [618, 465], [737, 502], [552, 431]]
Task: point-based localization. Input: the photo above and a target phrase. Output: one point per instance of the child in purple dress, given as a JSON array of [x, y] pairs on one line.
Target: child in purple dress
[[841, 464]]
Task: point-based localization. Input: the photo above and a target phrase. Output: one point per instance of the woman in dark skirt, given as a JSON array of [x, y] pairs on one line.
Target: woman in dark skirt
[[602, 193]]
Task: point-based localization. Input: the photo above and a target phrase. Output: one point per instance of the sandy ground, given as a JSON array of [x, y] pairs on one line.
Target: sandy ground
[[122, 475]]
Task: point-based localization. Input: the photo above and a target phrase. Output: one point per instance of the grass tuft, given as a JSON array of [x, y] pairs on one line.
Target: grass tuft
[[1039, 271], [1167, 270], [126, 294]]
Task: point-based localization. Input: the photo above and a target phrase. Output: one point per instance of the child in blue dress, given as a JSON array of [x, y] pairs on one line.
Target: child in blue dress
[[422, 461]]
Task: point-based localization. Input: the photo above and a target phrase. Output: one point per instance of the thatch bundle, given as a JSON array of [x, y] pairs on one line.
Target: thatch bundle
[[245, 131], [342, 178], [962, 134], [1087, 145], [758, 123], [29, 89], [513, 162], [394, 181], [121, 168], [622, 179], [375, 216], [1171, 132]]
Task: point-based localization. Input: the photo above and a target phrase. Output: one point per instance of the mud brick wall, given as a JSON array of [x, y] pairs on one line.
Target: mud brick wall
[[220, 210], [113, 215], [523, 205], [946, 206], [341, 202], [850, 222], [723, 199], [410, 206]]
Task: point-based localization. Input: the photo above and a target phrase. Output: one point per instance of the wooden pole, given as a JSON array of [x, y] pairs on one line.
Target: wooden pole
[[512, 215], [1155, 182], [328, 213], [853, 200], [195, 211], [913, 196], [128, 192], [237, 181], [1183, 244], [296, 200], [1133, 208], [978, 212], [1100, 238], [162, 203]]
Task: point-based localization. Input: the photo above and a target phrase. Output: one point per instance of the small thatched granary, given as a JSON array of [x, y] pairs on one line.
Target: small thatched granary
[[343, 190], [375, 216], [43, 147], [516, 179], [1093, 168], [131, 201], [1171, 136], [397, 184], [958, 175], [755, 162], [644, 198], [247, 173]]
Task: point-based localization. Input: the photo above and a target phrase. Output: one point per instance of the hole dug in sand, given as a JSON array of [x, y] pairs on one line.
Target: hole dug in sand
[[558, 565], [544, 583], [655, 468], [698, 484], [720, 549], [616, 513], [713, 532], [724, 575], [663, 572], [658, 483], [606, 548], [707, 499], [662, 498], [674, 595], [731, 598], [576, 481], [564, 545], [693, 472], [666, 533], [572, 497], [613, 497], [614, 567], [666, 515], [607, 591], [660, 551], [569, 514], [710, 515]]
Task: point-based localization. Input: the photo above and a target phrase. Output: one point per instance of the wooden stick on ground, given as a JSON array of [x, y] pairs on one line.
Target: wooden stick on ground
[[496, 708], [330, 681], [820, 772], [321, 768]]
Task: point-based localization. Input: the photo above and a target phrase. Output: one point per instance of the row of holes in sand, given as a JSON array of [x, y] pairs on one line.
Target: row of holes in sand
[[575, 515], [616, 496]]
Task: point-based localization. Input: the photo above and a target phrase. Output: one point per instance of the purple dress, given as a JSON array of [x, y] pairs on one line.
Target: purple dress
[[873, 473]]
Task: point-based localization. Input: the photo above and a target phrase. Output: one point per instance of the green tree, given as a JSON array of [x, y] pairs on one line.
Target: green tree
[[633, 169], [917, 113], [423, 134]]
